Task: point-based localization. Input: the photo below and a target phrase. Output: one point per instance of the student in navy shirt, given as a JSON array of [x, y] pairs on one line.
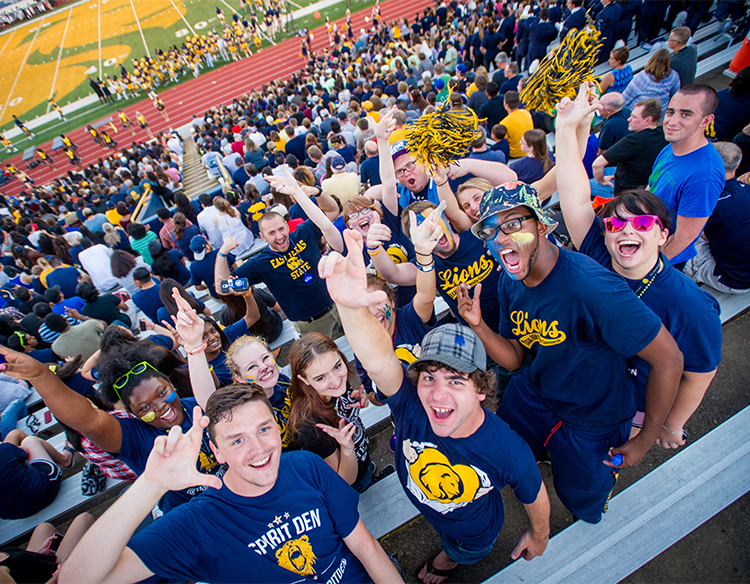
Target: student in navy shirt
[[386, 246], [626, 238], [288, 265], [147, 298], [66, 277], [444, 436], [145, 392], [723, 260], [59, 306], [281, 518], [574, 398], [202, 269]]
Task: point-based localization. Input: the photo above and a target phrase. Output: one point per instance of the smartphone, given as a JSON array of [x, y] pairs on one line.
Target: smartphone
[[234, 285], [47, 417], [2, 359], [142, 325]]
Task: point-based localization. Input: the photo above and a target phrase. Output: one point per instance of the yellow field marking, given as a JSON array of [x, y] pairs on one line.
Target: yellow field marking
[[59, 55], [15, 81], [138, 22]]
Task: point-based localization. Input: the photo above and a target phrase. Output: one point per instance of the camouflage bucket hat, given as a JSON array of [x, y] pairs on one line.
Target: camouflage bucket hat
[[509, 196]]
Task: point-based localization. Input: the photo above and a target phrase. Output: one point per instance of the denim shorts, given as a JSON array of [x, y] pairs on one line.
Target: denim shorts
[[461, 553]]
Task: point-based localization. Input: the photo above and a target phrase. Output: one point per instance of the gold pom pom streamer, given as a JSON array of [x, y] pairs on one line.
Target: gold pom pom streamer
[[562, 71], [437, 139]]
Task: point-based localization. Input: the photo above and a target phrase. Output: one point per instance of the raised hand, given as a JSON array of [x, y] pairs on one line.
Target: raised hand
[[172, 462], [361, 396], [384, 128], [570, 113], [346, 277], [343, 434], [378, 234], [229, 244], [188, 325], [22, 366], [470, 309], [286, 184], [456, 170], [425, 236]]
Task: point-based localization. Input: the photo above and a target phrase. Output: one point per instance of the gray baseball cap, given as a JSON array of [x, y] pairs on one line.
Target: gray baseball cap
[[454, 345]]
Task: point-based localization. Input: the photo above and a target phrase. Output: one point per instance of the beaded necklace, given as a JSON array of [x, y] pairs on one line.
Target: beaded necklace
[[646, 282]]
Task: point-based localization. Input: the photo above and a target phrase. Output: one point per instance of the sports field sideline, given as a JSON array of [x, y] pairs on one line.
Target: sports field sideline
[[54, 54]]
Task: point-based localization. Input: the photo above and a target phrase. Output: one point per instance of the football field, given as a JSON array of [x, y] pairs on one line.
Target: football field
[[56, 53]]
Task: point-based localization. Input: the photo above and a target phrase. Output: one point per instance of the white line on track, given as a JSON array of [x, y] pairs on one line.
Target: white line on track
[[99, 25], [138, 22], [181, 16], [297, 5], [23, 64], [59, 56]]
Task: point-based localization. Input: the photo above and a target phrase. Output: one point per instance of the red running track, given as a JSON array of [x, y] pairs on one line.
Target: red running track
[[197, 95]]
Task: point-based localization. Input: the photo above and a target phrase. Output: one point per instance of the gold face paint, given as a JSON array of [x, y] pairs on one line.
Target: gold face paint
[[150, 417], [522, 238]]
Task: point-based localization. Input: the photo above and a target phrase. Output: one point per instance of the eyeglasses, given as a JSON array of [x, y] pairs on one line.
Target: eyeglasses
[[639, 222], [357, 214], [411, 165], [138, 369], [510, 226]]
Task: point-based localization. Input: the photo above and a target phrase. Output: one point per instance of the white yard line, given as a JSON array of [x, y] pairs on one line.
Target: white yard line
[[182, 16], [59, 56], [138, 22], [99, 24], [7, 42], [297, 5], [23, 64]]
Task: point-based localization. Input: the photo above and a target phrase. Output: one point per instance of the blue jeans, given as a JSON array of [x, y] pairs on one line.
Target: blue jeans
[[459, 553], [362, 485], [14, 411], [582, 481]]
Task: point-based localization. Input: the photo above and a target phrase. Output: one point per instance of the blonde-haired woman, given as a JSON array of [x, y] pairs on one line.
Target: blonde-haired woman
[[229, 224], [657, 80]]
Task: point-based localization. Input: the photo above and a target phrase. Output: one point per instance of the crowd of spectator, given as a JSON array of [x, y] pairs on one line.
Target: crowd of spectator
[[325, 219]]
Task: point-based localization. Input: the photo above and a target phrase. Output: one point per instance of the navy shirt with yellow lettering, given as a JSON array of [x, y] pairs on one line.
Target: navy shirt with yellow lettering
[[580, 324], [292, 533], [469, 264], [292, 277]]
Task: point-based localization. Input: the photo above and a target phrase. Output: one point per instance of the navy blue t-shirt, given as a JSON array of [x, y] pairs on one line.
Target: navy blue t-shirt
[[149, 302], [474, 469], [292, 533], [203, 271], [138, 440], [614, 129], [469, 264], [689, 314], [728, 238], [292, 277], [76, 303], [66, 278], [219, 363], [572, 325]]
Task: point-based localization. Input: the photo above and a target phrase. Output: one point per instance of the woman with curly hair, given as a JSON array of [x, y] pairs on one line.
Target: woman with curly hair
[[131, 379]]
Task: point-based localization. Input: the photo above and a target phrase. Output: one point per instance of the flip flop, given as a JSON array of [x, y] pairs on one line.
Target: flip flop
[[432, 570], [69, 448]]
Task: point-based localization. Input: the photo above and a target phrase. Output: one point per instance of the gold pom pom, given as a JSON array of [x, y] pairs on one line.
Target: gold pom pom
[[439, 138], [562, 71]]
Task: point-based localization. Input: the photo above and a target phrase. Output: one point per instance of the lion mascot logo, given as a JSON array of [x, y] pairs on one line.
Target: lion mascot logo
[[297, 556]]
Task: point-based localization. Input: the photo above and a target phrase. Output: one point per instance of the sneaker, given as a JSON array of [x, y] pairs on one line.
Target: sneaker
[[387, 471]]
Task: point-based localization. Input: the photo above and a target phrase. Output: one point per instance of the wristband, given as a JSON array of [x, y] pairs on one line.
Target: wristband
[[425, 269], [442, 184], [223, 254], [375, 251], [198, 349]]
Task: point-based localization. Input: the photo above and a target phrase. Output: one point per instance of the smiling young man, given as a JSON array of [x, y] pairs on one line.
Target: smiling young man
[[288, 265], [688, 174], [453, 457], [276, 518], [574, 398]]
